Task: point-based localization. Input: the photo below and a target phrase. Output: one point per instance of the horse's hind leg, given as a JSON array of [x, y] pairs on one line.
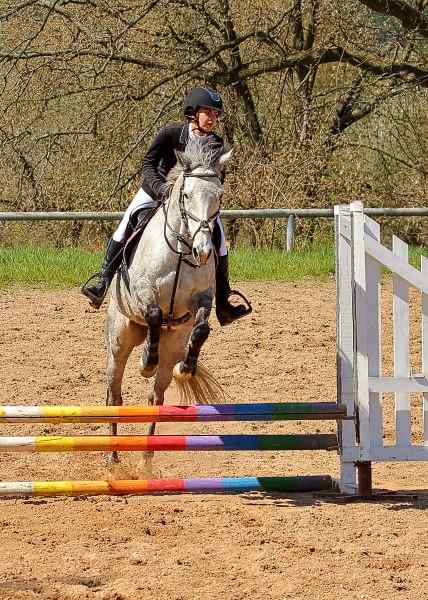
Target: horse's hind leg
[[172, 346], [122, 335], [151, 400], [150, 354], [200, 332]]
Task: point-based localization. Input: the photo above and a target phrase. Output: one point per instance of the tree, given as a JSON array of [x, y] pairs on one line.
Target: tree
[[87, 82]]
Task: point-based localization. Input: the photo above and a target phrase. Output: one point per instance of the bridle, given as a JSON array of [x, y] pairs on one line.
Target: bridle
[[185, 214], [204, 225]]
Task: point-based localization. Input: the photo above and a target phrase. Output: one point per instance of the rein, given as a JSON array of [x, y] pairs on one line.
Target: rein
[[185, 214]]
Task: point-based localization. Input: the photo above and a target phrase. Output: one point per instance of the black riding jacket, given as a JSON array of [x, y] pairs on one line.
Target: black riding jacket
[[161, 158]]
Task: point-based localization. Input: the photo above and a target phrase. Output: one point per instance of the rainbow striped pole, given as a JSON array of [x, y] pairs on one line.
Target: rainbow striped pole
[[125, 443], [151, 486], [173, 414]]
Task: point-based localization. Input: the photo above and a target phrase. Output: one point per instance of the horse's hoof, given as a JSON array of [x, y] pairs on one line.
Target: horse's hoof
[[181, 373], [112, 459]]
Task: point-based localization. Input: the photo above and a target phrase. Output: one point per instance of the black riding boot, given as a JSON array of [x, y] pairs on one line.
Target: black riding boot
[[226, 312], [96, 293]]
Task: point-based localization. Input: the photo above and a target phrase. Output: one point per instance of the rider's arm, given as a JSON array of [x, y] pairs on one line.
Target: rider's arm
[[159, 159], [152, 178]]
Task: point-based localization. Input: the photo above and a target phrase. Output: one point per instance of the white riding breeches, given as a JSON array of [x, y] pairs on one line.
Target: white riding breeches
[[143, 200], [140, 200]]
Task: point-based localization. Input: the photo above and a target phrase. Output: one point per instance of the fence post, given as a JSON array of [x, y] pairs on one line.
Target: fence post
[[290, 232]]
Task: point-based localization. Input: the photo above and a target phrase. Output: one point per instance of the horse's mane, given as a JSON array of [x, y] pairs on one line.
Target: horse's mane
[[196, 155]]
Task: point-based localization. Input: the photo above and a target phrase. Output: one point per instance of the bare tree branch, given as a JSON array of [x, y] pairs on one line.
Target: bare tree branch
[[76, 54], [407, 72], [412, 166], [410, 17]]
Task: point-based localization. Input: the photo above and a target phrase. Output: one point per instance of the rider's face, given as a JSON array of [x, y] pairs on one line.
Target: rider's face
[[207, 118]]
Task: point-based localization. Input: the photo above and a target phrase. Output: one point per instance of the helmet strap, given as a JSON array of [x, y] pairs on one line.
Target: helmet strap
[[198, 127]]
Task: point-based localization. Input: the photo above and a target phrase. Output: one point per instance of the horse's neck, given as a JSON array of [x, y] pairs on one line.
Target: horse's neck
[[173, 211]]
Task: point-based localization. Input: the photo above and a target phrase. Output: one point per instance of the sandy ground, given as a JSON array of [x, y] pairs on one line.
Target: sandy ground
[[255, 546]]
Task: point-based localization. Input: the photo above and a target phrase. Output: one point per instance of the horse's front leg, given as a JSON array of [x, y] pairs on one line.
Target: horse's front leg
[[186, 368], [150, 354]]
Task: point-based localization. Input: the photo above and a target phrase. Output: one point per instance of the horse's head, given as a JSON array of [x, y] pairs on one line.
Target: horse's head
[[200, 190]]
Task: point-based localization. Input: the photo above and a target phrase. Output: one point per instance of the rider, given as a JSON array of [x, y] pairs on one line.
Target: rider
[[202, 108]]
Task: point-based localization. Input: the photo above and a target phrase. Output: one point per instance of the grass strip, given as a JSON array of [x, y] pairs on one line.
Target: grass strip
[[47, 267]]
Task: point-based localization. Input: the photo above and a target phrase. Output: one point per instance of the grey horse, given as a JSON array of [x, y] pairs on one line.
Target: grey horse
[[166, 300]]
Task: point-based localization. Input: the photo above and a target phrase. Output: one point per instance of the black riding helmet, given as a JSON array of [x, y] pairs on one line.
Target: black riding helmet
[[200, 97]]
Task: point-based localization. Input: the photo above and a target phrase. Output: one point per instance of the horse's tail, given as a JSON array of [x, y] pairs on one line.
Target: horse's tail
[[202, 388]]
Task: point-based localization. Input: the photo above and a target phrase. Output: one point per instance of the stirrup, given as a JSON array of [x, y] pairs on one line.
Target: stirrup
[[94, 301], [90, 279], [248, 308], [235, 312]]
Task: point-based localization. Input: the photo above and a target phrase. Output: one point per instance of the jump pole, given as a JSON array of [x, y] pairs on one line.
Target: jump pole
[[172, 414], [126, 443], [308, 483]]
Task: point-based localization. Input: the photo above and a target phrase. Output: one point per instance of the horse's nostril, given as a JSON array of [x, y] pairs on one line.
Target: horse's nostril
[[195, 254]]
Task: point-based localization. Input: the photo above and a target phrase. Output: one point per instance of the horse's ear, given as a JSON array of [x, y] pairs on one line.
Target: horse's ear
[[182, 160], [224, 158]]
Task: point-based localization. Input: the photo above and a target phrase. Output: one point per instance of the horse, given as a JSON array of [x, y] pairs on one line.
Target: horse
[[165, 299]]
